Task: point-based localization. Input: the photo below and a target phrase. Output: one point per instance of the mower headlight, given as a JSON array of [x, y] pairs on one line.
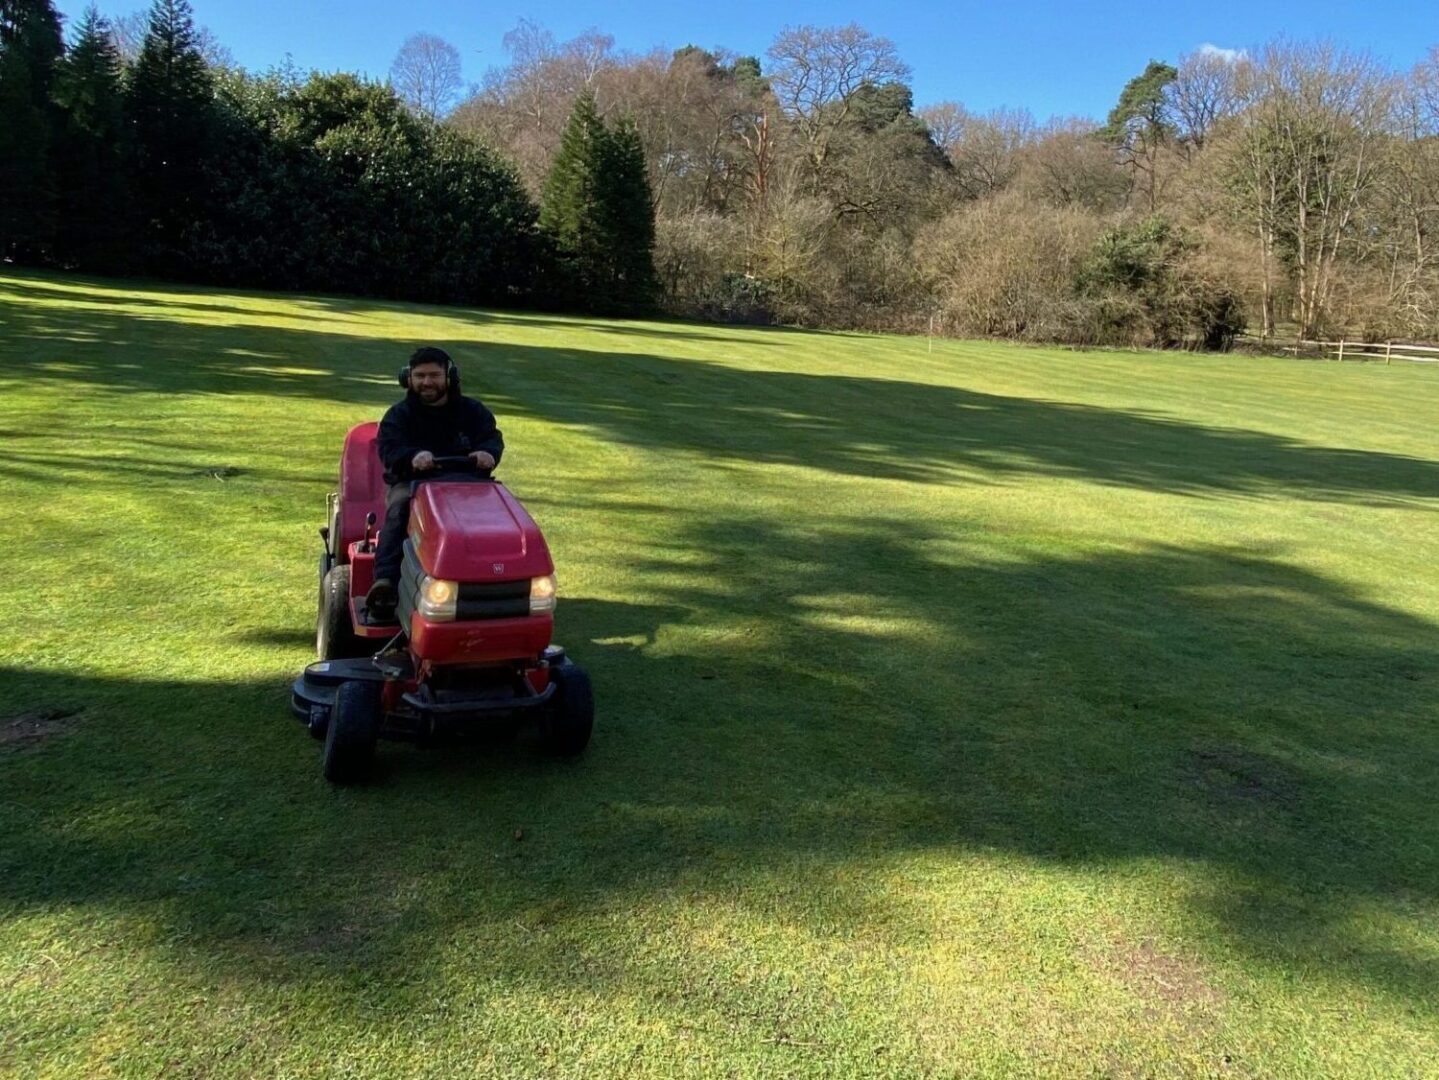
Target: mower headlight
[[542, 594], [437, 598]]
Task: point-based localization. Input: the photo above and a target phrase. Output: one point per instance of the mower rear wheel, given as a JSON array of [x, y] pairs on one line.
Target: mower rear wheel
[[569, 715], [353, 731], [335, 637]]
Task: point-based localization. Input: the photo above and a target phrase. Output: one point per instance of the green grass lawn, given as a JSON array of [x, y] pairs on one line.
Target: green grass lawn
[[989, 711]]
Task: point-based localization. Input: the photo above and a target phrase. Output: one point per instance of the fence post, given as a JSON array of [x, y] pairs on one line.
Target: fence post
[[1387, 346], [1341, 350]]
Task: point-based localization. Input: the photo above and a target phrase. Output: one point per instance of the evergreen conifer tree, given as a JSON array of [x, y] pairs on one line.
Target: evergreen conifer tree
[[569, 207], [169, 109], [30, 45], [628, 220], [92, 206], [598, 215]]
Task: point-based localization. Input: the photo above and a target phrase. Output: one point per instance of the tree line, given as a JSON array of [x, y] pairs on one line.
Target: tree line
[[159, 159], [1291, 190]]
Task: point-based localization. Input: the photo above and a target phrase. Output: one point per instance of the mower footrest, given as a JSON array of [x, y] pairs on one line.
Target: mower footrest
[[366, 626]]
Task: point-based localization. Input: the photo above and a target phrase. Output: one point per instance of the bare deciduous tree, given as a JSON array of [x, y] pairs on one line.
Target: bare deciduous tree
[[691, 110], [886, 173], [816, 72], [1205, 92], [426, 74], [985, 149], [522, 107], [788, 243], [1066, 165], [1307, 158], [128, 33], [694, 253], [1405, 233], [1005, 265]]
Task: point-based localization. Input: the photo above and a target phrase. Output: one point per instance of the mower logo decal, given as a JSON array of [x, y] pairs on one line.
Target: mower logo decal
[[499, 567]]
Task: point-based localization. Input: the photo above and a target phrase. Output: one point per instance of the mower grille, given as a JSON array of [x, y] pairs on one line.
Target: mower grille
[[477, 599], [497, 600]]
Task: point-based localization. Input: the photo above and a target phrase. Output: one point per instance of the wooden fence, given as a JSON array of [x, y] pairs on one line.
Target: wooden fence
[[1370, 350]]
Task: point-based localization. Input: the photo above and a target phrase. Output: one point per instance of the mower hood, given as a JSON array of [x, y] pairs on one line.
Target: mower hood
[[476, 532]]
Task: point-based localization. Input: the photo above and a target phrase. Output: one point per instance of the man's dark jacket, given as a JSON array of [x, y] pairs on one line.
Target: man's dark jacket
[[460, 426]]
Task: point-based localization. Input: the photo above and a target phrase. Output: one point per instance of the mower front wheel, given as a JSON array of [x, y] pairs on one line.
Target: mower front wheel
[[335, 637], [353, 730], [569, 715]]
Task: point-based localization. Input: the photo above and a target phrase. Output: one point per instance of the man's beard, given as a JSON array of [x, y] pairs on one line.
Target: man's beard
[[430, 395]]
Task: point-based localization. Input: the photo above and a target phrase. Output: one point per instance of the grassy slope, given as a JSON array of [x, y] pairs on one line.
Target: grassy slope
[[986, 711]]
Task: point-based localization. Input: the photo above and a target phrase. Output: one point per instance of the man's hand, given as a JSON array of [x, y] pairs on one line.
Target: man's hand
[[422, 461], [483, 460]]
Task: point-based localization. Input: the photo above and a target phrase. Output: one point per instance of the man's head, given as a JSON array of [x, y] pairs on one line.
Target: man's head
[[430, 375]]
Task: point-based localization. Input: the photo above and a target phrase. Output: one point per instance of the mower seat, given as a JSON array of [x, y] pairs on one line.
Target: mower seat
[[362, 489]]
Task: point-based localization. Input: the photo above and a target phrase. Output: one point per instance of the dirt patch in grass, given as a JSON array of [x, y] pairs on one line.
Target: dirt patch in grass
[[1169, 982], [1229, 773], [1176, 994], [341, 940], [30, 728], [1151, 1012]]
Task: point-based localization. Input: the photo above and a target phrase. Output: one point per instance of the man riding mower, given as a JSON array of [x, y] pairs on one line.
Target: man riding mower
[[443, 627]]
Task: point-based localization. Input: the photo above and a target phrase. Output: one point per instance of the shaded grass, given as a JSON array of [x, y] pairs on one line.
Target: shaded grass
[[991, 711]]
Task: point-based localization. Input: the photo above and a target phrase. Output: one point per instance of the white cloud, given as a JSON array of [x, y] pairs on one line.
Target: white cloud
[[1229, 56]]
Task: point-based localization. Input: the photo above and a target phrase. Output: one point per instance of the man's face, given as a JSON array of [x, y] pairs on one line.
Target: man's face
[[428, 382]]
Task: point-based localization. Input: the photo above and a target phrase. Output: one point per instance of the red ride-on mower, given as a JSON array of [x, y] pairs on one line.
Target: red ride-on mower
[[468, 649]]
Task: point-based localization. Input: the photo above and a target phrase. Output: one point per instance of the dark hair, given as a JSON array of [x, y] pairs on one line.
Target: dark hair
[[428, 354]]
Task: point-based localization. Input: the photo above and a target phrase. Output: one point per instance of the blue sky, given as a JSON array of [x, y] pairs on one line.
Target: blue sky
[[1052, 58]]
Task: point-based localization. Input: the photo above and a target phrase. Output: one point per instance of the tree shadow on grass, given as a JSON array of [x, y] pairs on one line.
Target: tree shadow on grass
[[190, 300], [277, 636], [844, 425], [97, 292], [870, 694], [100, 470]]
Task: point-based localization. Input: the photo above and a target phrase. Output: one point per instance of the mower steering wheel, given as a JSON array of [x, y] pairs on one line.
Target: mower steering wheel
[[451, 465]]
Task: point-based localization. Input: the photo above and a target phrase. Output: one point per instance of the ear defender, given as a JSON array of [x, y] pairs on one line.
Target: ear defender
[[452, 378]]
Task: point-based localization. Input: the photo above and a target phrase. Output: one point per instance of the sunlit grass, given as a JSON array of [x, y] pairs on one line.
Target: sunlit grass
[[983, 711]]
